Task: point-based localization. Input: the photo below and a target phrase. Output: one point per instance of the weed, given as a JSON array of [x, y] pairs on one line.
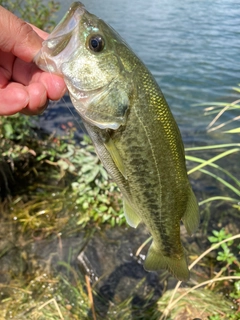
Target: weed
[[226, 262], [225, 255]]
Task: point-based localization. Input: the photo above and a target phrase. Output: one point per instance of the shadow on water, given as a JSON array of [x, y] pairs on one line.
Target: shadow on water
[[140, 307], [59, 116], [122, 288]]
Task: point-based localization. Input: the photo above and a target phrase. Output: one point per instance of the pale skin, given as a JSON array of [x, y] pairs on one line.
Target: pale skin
[[23, 86]]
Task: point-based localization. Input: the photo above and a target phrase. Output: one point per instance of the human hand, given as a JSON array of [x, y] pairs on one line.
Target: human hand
[[23, 86]]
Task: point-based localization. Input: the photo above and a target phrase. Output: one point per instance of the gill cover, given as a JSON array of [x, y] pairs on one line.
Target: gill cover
[[107, 108]]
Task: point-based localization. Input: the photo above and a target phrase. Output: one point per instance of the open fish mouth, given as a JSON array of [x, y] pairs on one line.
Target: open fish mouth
[[61, 43]]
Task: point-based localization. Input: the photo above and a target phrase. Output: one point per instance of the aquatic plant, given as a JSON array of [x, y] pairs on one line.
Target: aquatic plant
[[221, 108], [206, 306], [226, 276], [211, 167], [96, 194]]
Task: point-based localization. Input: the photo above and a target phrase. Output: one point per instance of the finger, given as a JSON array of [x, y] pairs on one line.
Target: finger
[[6, 62], [38, 100], [40, 32], [33, 112], [31, 100], [23, 72], [29, 112], [17, 36], [27, 73], [55, 85], [13, 98]]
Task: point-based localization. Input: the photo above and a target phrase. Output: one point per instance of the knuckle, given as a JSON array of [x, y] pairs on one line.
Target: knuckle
[[25, 31], [26, 41]]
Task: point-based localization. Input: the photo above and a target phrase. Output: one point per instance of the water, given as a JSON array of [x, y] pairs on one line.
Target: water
[[191, 47]]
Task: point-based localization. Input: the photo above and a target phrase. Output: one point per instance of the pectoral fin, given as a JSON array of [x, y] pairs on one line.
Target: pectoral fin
[[132, 218], [114, 153]]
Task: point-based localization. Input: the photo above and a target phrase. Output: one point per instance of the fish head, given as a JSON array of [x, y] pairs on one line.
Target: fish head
[[85, 51]]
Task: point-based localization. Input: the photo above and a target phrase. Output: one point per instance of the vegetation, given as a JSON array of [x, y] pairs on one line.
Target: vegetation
[[56, 196], [211, 166], [35, 12], [66, 194], [189, 307]]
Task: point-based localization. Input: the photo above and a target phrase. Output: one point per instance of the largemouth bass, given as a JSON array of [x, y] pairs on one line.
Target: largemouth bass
[[132, 128]]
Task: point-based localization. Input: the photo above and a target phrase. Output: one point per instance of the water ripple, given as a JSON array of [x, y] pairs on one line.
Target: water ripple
[[191, 47]]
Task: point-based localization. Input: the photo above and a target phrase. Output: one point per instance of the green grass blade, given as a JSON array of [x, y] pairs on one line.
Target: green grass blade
[[224, 182], [236, 89], [217, 146], [207, 162], [236, 130], [218, 198], [214, 165]]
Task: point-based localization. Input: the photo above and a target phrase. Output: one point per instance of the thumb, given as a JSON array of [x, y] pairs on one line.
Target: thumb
[[18, 37]]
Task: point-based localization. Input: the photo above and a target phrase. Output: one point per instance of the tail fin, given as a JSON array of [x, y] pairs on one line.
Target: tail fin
[[155, 260]]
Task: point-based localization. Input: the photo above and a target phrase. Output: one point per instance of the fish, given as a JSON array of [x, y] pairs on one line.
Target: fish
[[132, 128]]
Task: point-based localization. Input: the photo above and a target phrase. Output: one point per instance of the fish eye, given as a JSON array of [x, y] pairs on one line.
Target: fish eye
[[96, 43]]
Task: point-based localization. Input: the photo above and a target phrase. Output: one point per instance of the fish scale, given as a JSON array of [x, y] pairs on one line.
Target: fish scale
[[132, 129]]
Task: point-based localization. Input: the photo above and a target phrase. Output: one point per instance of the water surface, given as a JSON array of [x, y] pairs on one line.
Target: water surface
[[191, 47]]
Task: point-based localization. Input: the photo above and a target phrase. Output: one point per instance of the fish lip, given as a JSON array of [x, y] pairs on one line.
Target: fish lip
[[69, 22], [45, 59]]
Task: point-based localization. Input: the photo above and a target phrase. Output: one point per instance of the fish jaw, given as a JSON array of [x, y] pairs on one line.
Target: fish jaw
[[62, 43]]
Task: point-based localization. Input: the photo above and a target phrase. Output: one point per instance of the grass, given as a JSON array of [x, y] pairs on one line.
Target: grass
[[67, 193], [223, 308], [46, 297], [205, 304], [229, 181]]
